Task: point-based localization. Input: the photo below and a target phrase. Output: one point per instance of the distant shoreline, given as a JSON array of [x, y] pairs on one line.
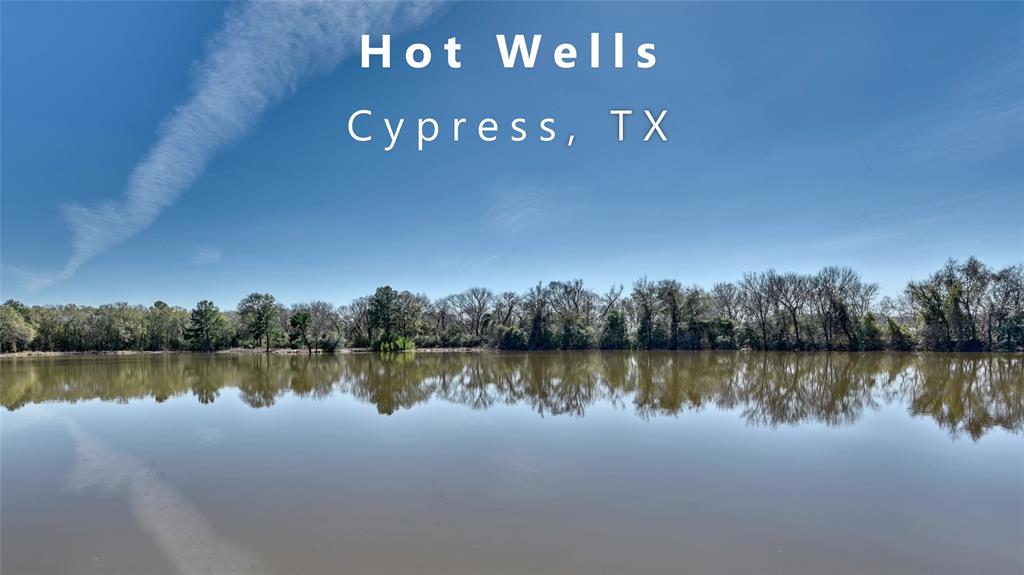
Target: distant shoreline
[[962, 307], [439, 350], [239, 351]]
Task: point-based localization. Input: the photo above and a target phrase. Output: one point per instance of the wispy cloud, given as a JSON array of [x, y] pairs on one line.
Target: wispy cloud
[[515, 213], [886, 226], [207, 255], [876, 235], [30, 281], [514, 209], [981, 115], [261, 56]]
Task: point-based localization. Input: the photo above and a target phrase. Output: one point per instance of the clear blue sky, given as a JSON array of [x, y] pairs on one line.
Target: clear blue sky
[[885, 137]]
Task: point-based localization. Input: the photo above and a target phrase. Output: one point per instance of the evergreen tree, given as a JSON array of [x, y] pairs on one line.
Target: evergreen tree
[[300, 324], [615, 335], [203, 332], [259, 315]]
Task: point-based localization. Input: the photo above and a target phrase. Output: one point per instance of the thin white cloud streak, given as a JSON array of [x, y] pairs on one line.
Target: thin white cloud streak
[[260, 57], [514, 209], [207, 255], [982, 115]]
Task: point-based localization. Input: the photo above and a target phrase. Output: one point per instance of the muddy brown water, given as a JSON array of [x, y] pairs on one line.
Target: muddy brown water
[[591, 462]]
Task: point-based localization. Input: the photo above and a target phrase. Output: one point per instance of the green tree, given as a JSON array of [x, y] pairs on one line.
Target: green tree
[[899, 339], [670, 295], [117, 326], [301, 324], [259, 315], [644, 295], [538, 309], [205, 326], [869, 334], [24, 310], [165, 326], [511, 338], [383, 314], [393, 319], [575, 334], [16, 333], [615, 334]]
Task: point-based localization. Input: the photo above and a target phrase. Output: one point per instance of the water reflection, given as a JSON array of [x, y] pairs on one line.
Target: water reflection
[[965, 394], [175, 524]]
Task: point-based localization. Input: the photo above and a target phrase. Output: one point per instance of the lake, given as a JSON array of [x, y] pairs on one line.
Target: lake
[[589, 462]]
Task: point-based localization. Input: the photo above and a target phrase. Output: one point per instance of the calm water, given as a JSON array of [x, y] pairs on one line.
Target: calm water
[[513, 463]]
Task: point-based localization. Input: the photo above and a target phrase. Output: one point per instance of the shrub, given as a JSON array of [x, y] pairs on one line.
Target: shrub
[[398, 343], [511, 338]]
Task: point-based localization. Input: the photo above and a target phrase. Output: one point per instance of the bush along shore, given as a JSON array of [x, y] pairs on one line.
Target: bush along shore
[[965, 306]]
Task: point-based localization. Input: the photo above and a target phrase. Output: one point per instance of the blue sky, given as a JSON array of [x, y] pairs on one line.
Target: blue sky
[[885, 137]]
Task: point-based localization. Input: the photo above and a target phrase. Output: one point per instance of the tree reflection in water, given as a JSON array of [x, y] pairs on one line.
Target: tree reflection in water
[[964, 393]]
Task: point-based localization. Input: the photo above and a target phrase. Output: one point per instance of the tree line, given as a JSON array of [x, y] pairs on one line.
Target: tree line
[[964, 306]]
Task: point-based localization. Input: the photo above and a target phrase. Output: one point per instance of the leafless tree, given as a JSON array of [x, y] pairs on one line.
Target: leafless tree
[[474, 305], [505, 308], [792, 292], [609, 300], [572, 302], [756, 298], [726, 297]]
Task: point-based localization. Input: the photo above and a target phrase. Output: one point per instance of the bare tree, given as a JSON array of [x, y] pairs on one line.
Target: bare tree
[[474, 305], [792, 292], [726, 297], [505, 308], [441, 314], [645, 301], [756, 298], [356, 319], [323, 323], [572, 302], [1004, 304], [610, 300]]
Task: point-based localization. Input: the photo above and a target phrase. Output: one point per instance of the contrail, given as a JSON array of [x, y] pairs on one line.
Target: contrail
[[261, 56]]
